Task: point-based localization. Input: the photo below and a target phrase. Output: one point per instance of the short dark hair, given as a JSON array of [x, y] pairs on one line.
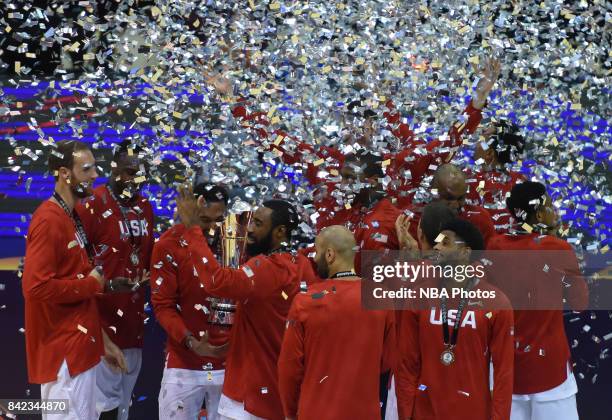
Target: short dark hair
[[63, 155], [369, 163], [123, 147], [212, 193], [283, 213], [507, 143], [434, 216], [467, 232], [525, 199]]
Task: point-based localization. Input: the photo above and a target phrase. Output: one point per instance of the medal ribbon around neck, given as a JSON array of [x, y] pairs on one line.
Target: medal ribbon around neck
[[451, 342], [76, 220]]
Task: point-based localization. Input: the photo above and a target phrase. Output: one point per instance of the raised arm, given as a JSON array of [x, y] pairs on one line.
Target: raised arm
[[421, 159]]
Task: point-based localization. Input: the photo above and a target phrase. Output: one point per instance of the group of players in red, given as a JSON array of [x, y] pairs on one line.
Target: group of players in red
[[300, 344]]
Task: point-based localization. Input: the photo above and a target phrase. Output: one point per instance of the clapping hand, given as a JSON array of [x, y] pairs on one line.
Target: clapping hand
[[187, 206], [402, 228]]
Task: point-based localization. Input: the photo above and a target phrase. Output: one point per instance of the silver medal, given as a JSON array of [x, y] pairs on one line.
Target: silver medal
[[134, 258]]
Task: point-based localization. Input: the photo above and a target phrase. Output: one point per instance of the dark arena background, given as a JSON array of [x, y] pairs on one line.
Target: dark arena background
[[150, 71]]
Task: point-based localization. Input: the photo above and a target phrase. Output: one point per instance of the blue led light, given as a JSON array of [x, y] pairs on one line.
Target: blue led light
[[568, 127]]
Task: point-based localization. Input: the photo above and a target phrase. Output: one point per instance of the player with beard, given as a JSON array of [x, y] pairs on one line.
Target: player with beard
[[118, 222], [191, 376], [327, 370], [444, 368], [64, 339], [263, 288], [544, 385]]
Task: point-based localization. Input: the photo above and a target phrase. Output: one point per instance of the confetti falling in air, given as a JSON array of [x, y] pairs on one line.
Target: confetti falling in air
[[148, 73]]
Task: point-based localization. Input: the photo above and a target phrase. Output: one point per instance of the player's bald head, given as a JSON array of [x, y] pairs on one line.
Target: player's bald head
[[338, 238], [449, 178], [448, 174]]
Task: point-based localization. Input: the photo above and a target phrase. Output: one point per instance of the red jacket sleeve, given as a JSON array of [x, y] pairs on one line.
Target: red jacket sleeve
[[291, 361], [409, 364], [164, 293], [253, 279], [399, 129], [290, 149], [40, 281], [502, 355], [422, 157], [456, 132], [575, 292]]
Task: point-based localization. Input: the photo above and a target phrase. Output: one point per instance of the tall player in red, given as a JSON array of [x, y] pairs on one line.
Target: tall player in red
[[263, 288], [544, 385], [119, 224], [181, 306], [446, 351], [326, 369], [64, 341]]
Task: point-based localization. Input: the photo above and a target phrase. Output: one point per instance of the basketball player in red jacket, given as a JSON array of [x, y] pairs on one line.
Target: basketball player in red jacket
[[64, 340], [446, 351], [406, 167], [263, 288], [491, 182], [544, 385], [449, 187], [118, 222], [181, 307], [326, 369]]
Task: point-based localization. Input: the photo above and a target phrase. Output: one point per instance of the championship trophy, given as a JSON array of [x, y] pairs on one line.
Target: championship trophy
[[232, 253]]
